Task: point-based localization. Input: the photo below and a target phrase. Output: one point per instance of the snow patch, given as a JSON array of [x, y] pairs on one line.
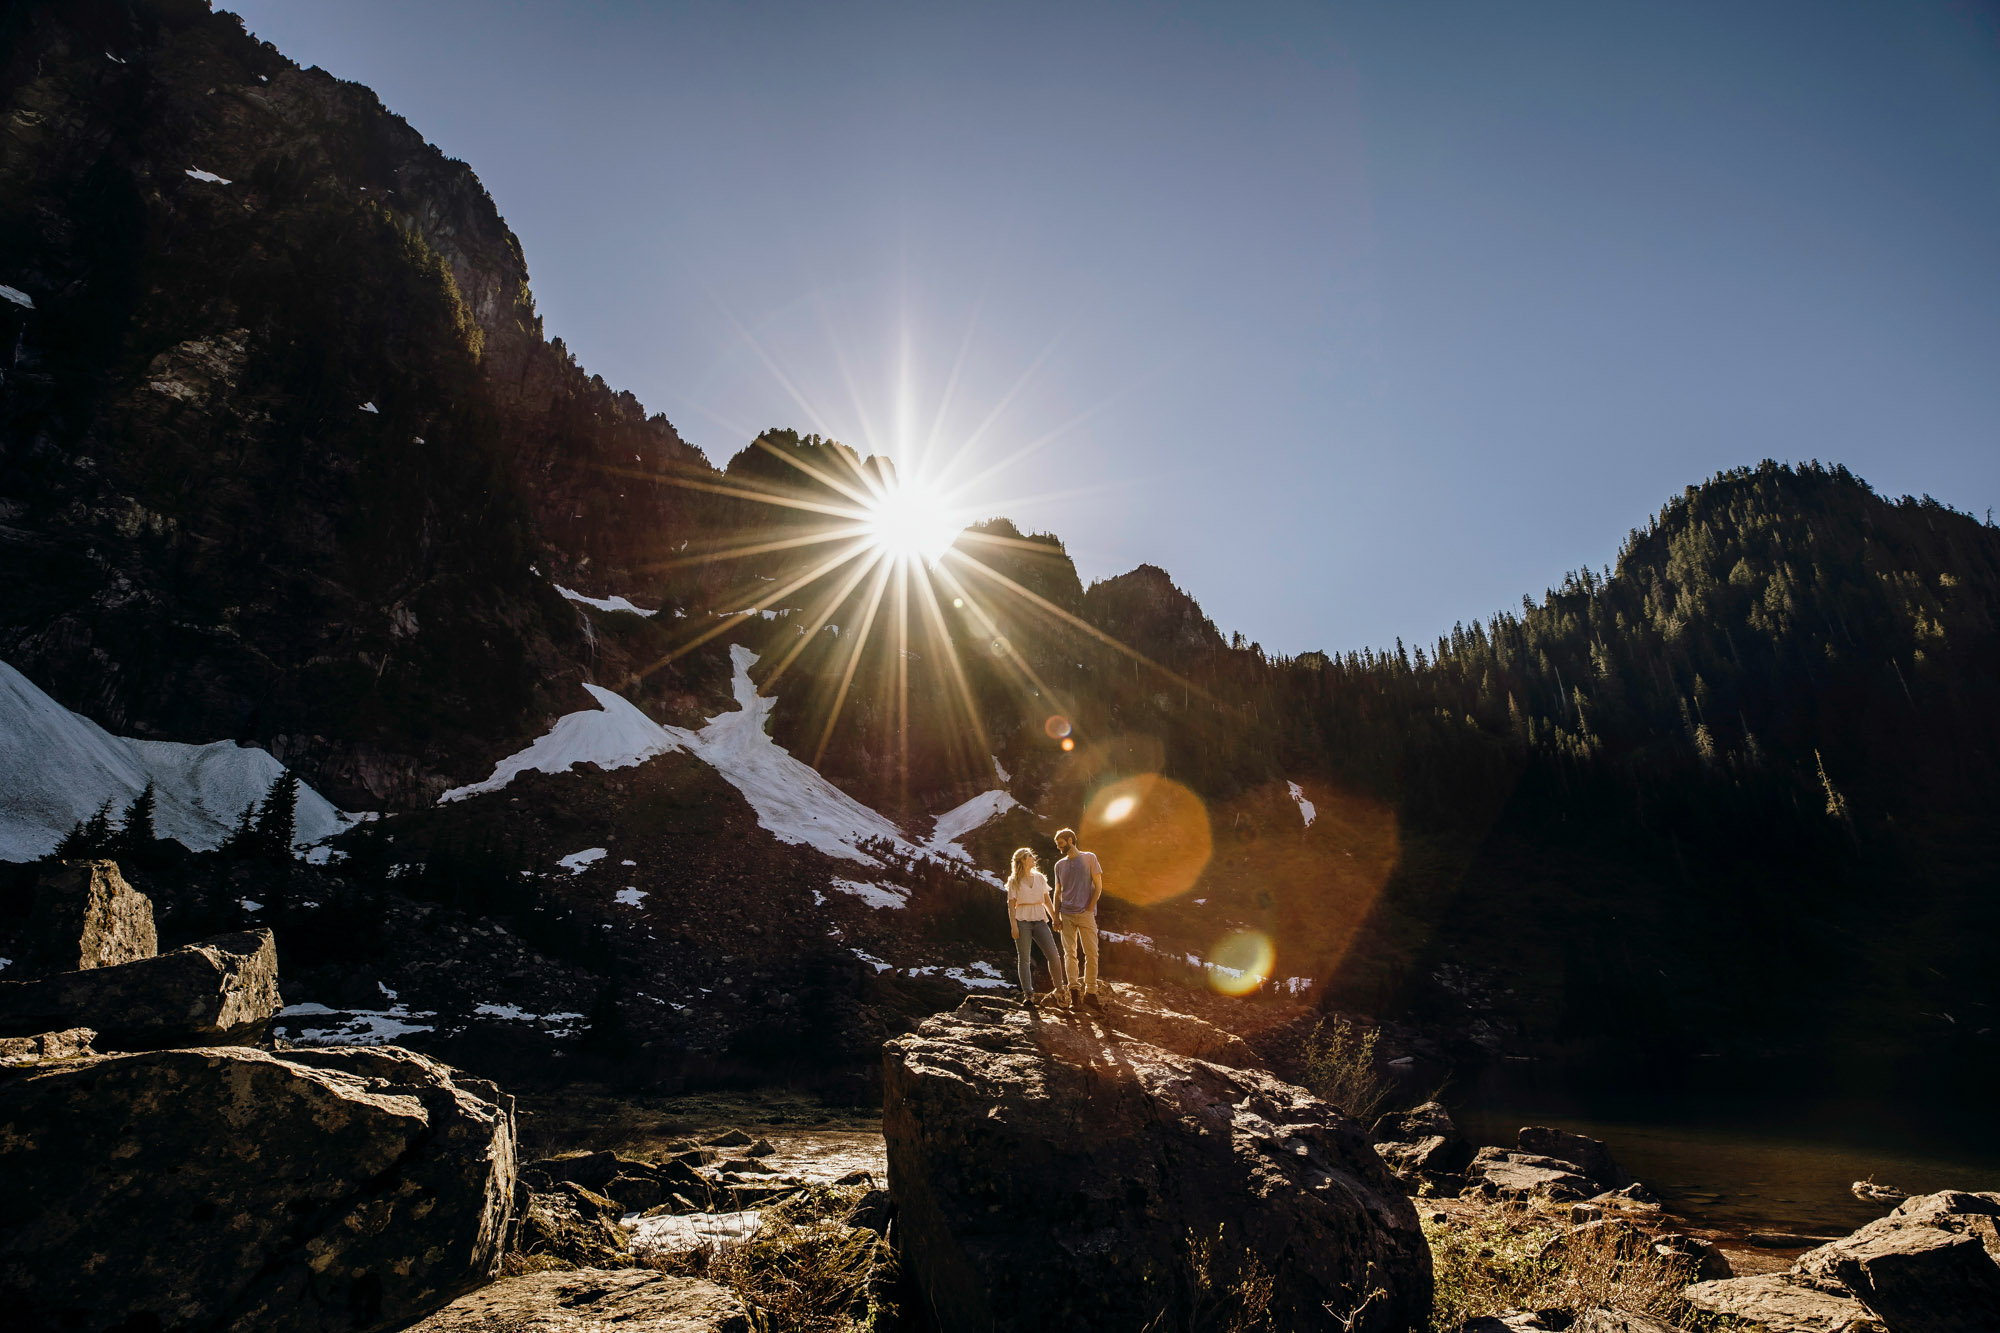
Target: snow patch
[[980, 976], [1000, 772], [250, 904], [875, 895], [1305, 806], [369, 406], [617, 735], [790, 797], [17, 296], [871, 960], [565, 1023], [575, 862], [630, 896], [356, 1027], [960, 820], [208, 176], [612, 603], [59, 767]]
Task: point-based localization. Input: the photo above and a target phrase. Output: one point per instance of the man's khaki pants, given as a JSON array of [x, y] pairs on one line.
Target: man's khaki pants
[[1081, 925]]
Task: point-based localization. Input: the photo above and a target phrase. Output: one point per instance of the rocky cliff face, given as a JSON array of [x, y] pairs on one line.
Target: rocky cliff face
[[281, 444]]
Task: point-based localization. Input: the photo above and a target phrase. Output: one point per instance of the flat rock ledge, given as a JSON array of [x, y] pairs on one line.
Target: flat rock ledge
[[64, 1045], [1054, 1171], [1931, 1266], [629, 1300], [220, 992], [231, 1189]]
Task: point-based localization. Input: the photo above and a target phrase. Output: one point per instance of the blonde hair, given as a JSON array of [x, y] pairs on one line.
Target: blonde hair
[[1019, 872]]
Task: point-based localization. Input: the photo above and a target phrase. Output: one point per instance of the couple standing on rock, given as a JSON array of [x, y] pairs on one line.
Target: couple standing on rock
[[1071, 907]]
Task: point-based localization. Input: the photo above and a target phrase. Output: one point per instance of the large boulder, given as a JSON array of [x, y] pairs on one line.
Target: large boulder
[[631, 1301], [1431, 1120], [1422, 1144], [85, 915], [1932, 1266], [232, 1189], [1928, 1267], [1519, 1175], [220, 992], [1053, 1173], [1589, 1156], [1138, 1014]]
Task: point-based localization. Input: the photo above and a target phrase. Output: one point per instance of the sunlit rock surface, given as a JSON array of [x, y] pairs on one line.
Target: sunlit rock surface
[[218, 992], [1056, 1171], [233, 1189]]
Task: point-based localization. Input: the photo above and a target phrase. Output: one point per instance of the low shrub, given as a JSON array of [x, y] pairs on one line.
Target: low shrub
[[1514, 1257]]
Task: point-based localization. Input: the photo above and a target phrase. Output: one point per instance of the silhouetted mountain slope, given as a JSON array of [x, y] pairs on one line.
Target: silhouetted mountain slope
[[1743, 782], [281, 437], [285, 458]]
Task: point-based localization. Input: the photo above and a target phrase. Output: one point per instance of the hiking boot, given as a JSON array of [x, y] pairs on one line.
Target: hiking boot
[[1095, 1003], [1029, 1004]]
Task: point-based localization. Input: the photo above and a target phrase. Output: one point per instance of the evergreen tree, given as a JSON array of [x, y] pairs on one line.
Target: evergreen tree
[[242, 839], [137, 831], [278, 818], [89, 837]]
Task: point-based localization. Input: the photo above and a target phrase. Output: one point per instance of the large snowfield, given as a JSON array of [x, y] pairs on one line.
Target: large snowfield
[[790, 797], [59, 767]]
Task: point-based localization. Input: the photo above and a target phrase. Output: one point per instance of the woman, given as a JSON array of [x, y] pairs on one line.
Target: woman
[[1029, 911]]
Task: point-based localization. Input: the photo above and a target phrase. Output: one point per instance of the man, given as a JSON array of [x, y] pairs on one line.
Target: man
[[1079, 884]]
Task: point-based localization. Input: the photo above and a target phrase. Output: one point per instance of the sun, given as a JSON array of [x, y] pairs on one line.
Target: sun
[[911, 521]]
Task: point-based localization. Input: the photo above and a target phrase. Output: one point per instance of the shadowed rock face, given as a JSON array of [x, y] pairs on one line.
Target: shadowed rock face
[[1590, 1157], [1932, 1266], [1058, 1170], [220, 991], [231, 1189], [86, 916]]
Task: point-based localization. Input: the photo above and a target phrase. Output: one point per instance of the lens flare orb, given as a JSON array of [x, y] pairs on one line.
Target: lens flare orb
[[1152, 835], [1240, 962]]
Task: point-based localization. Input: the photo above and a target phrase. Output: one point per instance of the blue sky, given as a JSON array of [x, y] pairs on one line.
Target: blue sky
[[1358, 319]]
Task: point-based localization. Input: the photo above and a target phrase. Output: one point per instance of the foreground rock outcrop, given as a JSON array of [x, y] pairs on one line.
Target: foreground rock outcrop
[[222, 991], [229, 1188], [1057, 1173], [85, 915], [64, 1045], [1423, 1147], [632, 1301], [1931, 1266]]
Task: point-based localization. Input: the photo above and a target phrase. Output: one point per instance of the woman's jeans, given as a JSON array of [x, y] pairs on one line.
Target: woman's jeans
[[1044, 939]]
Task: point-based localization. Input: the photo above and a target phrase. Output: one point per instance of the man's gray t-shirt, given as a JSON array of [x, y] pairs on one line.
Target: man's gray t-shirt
[[1073, 880]]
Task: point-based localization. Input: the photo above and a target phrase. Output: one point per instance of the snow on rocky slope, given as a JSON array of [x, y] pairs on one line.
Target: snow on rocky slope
[[58, 767], [616, 735], [790, 797]]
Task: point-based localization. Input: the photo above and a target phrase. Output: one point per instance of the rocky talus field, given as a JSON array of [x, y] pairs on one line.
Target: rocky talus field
[[1127, 1167]]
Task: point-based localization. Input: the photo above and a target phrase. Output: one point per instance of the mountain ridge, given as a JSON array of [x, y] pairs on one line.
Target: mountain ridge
[[287, 463]]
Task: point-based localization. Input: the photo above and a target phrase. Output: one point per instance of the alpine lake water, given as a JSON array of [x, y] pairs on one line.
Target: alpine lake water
[[1749, 1150]]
